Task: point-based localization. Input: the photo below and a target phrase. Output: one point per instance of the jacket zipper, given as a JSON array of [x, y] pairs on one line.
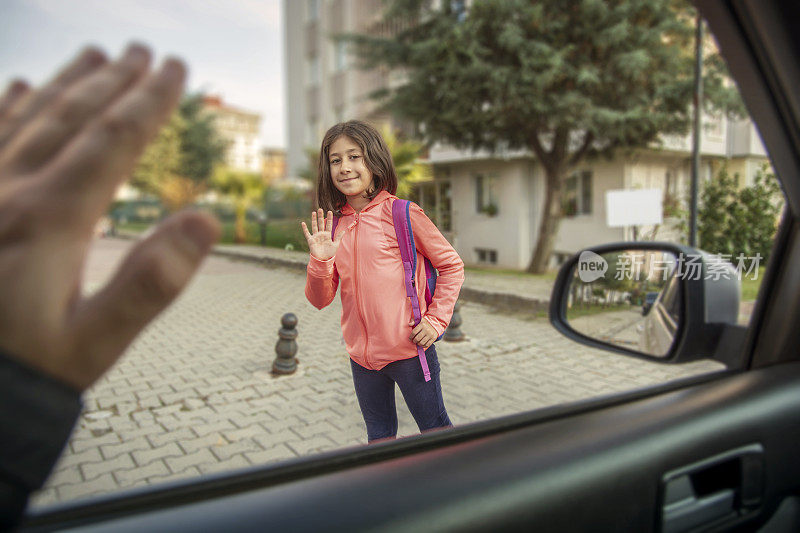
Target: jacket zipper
[[358, 299]]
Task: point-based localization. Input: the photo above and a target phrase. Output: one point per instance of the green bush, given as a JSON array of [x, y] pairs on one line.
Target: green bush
[[279, 234], [735, 221]]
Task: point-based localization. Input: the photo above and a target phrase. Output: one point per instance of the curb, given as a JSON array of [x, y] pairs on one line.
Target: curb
[[501, 301], [262, 260]]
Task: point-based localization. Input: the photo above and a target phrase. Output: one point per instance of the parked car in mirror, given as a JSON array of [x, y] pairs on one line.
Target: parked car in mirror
[[694, 313], [649, 299]]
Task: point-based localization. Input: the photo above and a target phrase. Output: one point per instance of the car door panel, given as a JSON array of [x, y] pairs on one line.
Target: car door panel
[[599, 470]]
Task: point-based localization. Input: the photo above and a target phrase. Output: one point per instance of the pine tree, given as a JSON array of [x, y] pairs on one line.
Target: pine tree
[[565, 80]]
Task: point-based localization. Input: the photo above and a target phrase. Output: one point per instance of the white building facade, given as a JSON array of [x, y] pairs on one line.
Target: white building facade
[[323, 86], [494, 208], [238, 129]]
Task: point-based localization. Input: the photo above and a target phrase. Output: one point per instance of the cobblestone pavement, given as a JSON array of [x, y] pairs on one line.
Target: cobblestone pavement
[[193, 394]]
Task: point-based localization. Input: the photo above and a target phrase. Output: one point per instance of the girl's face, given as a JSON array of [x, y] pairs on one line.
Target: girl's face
[[349, 171]]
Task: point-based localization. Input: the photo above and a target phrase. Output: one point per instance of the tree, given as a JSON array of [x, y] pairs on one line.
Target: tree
[[161, 160], [177, 164], [406, 157], [734, 221], [564, 80], [201, 147], [243, 189]]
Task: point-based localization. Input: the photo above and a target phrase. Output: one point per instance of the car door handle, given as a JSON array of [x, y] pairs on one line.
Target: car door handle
[[713, 491]]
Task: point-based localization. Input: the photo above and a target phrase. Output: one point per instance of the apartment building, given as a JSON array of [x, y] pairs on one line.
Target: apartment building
[[273, 164], [489, 205], [323, 84], [239, 130]]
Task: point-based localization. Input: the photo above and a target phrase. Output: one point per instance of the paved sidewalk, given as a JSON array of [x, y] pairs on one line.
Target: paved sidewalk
[[193, 394]]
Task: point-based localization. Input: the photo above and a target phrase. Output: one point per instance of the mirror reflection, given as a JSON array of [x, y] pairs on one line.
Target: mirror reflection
[[627, 298]]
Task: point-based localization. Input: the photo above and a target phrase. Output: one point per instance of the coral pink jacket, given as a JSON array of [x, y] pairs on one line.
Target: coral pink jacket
[[375, 308]]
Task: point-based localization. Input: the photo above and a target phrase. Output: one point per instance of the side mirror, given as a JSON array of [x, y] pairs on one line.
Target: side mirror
[[659, 301]]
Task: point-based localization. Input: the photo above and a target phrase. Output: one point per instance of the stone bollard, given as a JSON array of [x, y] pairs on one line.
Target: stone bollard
[[262, 229], [286, 347], [453, 332]]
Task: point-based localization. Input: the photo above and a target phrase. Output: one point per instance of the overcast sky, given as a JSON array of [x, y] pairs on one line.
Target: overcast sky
[[233, 47]]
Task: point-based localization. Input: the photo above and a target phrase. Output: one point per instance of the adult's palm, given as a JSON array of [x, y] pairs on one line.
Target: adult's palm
[[320, 239], [64, 149]]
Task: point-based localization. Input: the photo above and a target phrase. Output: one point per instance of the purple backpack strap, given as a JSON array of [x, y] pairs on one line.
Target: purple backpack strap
[[333, 230], [408, 254]]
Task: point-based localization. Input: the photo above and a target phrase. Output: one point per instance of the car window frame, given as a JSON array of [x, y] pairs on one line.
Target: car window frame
[[769, 92], [775, 276]]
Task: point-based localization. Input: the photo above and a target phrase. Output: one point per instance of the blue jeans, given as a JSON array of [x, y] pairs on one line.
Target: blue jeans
[[375, 392]]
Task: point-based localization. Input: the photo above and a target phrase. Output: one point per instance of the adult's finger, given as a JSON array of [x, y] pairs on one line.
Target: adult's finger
[[88, 171], [87, 61], [16, 90], [150, 278], [70, 111]]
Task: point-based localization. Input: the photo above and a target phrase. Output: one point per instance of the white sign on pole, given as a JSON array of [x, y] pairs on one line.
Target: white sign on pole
[[633, 207]]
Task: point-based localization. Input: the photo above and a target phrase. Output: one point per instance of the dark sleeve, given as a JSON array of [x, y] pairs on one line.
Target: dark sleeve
[[37, 414]]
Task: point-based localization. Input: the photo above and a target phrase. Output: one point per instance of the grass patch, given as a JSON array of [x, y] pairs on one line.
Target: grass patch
[[279, 233], [134, 227], [548, 276], [750, 286]]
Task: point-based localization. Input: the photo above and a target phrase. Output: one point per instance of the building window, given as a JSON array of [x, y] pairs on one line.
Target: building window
[[715, 125], [444, 209], [339, 56], [578, 194], [313, 70], [338, 114], [669, 183], [486, 195], [459, 9], [436, 200], [486, 256], [311, 132], [424, 195], [313, 10]]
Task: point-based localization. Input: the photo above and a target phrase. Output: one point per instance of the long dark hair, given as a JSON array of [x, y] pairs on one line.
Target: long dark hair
[[376, 157]]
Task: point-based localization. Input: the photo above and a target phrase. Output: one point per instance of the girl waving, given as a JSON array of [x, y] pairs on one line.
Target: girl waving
[[357, 181]]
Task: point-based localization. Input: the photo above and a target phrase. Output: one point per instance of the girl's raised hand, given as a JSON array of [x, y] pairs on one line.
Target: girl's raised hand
[[320, 241]]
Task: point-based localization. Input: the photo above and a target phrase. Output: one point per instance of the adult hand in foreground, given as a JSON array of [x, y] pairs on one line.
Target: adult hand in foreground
[[64, 149]]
